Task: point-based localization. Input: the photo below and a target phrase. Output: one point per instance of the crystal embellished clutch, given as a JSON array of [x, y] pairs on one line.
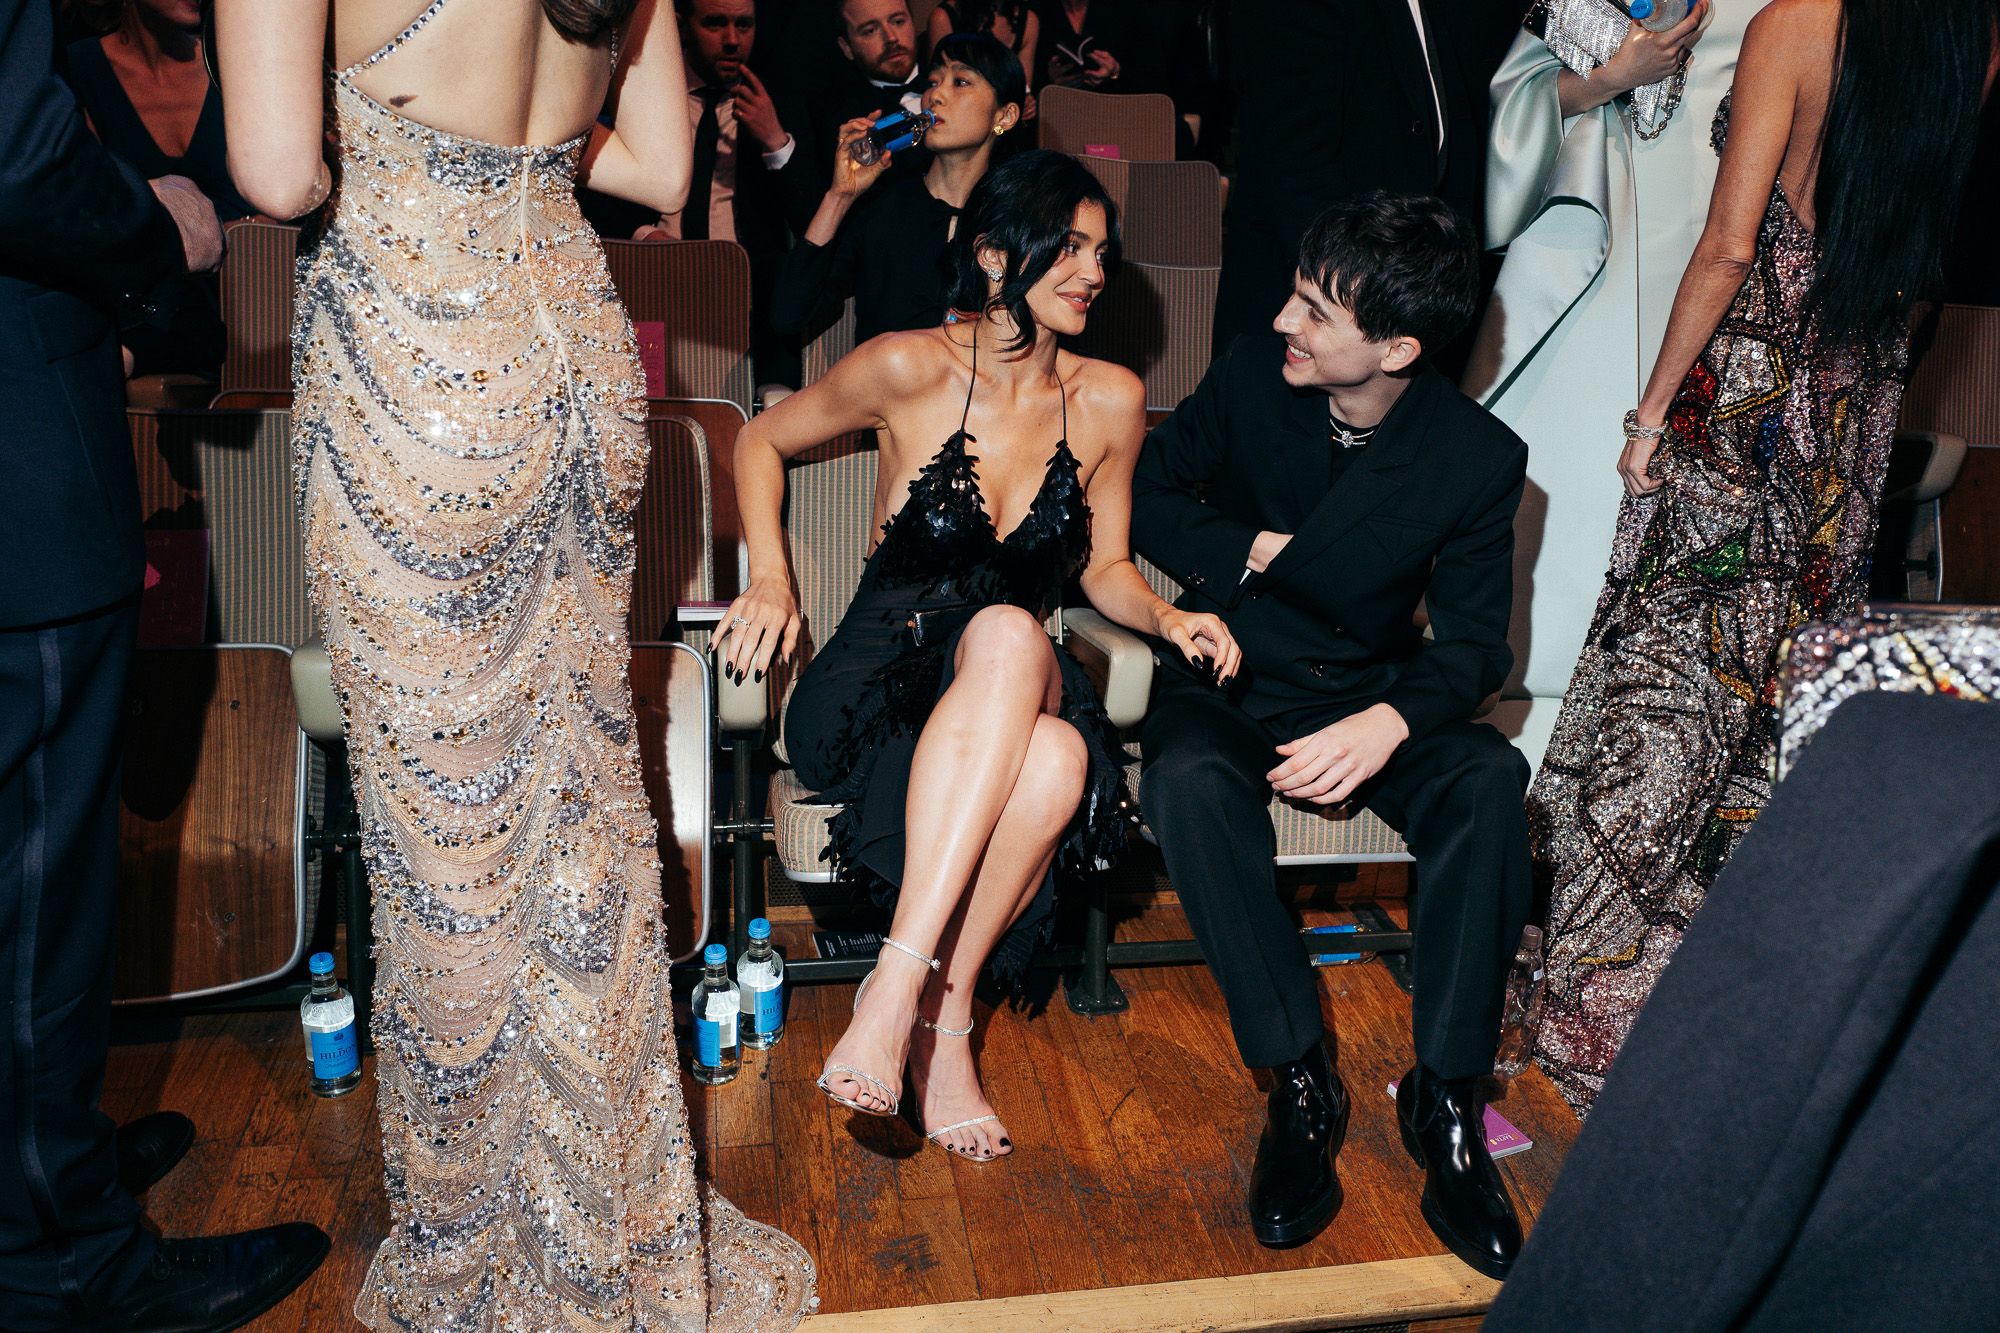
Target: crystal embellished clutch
[[1929, 649], [1584, 34]]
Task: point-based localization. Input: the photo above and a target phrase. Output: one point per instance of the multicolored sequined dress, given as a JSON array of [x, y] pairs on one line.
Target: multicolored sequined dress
[[1774, 457], [852, 723], [470, 446]]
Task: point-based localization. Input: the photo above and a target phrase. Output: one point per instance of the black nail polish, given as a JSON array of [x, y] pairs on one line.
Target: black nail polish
[[760, 677], [1006, 1143]]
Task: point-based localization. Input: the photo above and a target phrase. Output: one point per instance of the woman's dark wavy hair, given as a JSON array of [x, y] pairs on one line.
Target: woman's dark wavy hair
[[1025, 208], [587, 20], [988, 57], [1900, 131]]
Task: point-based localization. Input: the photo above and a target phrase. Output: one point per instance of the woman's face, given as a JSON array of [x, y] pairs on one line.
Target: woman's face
[[967, 109], [170, 13], [1060, 302]]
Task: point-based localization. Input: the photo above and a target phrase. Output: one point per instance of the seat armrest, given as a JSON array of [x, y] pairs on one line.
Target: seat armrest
[[313, 693], [739, 706], [1947, 456], [1118, 661]]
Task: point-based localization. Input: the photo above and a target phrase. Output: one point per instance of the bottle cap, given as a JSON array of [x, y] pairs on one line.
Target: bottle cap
[[716, 955], [760, 929], [1531, 937], [321, 964], [1642, 9]]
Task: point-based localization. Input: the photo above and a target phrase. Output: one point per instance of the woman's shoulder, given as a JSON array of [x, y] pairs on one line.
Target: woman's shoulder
[[1784, 22], [906, 362], [1103, 385]]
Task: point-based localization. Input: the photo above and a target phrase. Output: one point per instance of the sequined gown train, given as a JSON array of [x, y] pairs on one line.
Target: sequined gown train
[[469, 448], [1776, 448]]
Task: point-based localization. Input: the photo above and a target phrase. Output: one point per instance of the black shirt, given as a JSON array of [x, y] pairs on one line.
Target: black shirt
[[890, 256]]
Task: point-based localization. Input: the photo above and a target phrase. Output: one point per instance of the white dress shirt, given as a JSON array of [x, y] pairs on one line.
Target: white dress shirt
[[722, 191]]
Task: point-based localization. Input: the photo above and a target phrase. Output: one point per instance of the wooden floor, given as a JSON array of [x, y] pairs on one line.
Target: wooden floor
[[1133, 1137]]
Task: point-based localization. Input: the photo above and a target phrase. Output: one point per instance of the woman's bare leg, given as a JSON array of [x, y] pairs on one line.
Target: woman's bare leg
[[965, 767], [1017, 858]]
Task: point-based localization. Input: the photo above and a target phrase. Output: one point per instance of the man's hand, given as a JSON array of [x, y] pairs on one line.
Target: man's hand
[[201, 234], [1328, 765], [1265, 549], [756, 112]]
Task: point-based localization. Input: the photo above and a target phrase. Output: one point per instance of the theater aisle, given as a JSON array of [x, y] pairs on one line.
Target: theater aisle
[[1133, 1138]]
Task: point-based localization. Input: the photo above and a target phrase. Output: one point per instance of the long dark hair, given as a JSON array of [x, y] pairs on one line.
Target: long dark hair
[[587, 20], [1900, 131], [1023, 208]]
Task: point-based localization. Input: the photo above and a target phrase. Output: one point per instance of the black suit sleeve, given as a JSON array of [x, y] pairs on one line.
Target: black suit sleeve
[[815, 279], [72, 216], [1470, 596], [1203, 549]]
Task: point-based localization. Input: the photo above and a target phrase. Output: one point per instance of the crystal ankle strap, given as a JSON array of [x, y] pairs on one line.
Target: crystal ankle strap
[[923, 958], [965, 1031]]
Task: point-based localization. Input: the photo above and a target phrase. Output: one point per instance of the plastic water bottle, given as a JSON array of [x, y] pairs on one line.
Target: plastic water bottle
[[1659, 15], [1521, 1016], [760, 974], [893, 133], [327, 1015], [717, 1054]]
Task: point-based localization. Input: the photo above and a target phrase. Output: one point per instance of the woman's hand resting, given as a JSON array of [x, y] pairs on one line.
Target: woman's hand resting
[[1200, 636], [1633, 462], [769, 617]]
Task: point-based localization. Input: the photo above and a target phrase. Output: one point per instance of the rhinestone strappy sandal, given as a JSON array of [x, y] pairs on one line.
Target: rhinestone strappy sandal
[[933, 1134], [890, 1095]]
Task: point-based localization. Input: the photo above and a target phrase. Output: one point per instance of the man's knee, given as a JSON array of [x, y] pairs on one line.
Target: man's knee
[[1193, 778]]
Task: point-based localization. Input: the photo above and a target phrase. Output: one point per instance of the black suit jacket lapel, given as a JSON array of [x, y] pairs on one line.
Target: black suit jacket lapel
[[1372, 479], [1304, 442], [1406, 56]]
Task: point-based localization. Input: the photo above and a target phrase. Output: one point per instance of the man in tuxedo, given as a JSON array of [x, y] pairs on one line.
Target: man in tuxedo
[[1320, 485], [85, 245], [876, 41], [1336, 99]]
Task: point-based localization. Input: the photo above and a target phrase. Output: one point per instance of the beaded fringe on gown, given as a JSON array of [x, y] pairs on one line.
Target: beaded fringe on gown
[[470, 446], [1774, 458]]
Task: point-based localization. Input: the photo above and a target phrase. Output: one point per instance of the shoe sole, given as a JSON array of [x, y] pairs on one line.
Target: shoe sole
[[1472, 1258], [1323, 1210]]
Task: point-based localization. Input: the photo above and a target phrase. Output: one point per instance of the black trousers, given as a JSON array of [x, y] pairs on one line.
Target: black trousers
[[1455, 796], [70, 1238]]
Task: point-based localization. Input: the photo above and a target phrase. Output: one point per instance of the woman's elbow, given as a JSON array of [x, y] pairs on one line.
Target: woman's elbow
[[282, 190]]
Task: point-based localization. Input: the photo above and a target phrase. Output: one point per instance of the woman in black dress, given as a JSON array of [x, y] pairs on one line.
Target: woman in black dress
[[972, 756]]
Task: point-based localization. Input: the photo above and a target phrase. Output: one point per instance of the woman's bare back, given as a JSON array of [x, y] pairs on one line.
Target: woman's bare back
[[492, 70]]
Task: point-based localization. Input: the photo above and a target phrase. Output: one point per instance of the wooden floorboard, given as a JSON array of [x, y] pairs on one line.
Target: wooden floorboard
[[1121, 1206]]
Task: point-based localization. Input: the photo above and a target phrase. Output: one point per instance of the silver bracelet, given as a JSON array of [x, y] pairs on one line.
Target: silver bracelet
[[1635, 431]]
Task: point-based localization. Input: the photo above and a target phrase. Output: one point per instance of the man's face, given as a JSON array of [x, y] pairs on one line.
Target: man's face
[[1324, 349], [717, 36], [878, 36]]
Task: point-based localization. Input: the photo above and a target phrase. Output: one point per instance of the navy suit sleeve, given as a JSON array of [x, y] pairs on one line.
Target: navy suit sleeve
[[1470, 597], [1202, 548], [73, 216]]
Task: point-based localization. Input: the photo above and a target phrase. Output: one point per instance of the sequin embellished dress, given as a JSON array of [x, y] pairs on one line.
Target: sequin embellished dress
[[469, 447], [852, 724], [1774, 457]]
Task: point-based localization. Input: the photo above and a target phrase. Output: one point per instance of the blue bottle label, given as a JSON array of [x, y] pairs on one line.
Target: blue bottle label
[[334, 1054], [708, 1042]]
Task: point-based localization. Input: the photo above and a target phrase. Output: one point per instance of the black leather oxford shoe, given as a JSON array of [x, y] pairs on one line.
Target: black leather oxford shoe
[[150, 1146], [1294, 1187], [216, 1283], [1465, 1201]]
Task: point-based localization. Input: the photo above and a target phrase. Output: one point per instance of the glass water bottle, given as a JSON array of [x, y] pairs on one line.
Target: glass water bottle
[[760, 975], [1521, 1016], [892, 133], [327, 1014], [717, 1054]]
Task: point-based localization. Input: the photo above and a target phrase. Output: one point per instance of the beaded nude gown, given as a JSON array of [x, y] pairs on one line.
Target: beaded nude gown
[[1776, 448], [470, 445]]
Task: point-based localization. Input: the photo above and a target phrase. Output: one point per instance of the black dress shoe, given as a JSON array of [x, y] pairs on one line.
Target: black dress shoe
[[1294, 1188], [212, 1284], [1465, 1201], [149, 1147]]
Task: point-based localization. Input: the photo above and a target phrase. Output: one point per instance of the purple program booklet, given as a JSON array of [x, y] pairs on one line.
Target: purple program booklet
[[1502, 1139]]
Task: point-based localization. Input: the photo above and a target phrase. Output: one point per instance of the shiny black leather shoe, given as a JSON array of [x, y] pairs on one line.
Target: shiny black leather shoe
[[213, 1284], [1465, 1201], [1294, 1187], [150, 1147]]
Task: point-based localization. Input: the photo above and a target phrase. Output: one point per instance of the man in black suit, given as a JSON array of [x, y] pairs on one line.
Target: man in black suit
[[84, 244], [1319, 486], [1336, 99], [876, 70]]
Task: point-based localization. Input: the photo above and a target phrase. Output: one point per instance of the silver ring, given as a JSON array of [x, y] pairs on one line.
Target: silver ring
[[739, 620]]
